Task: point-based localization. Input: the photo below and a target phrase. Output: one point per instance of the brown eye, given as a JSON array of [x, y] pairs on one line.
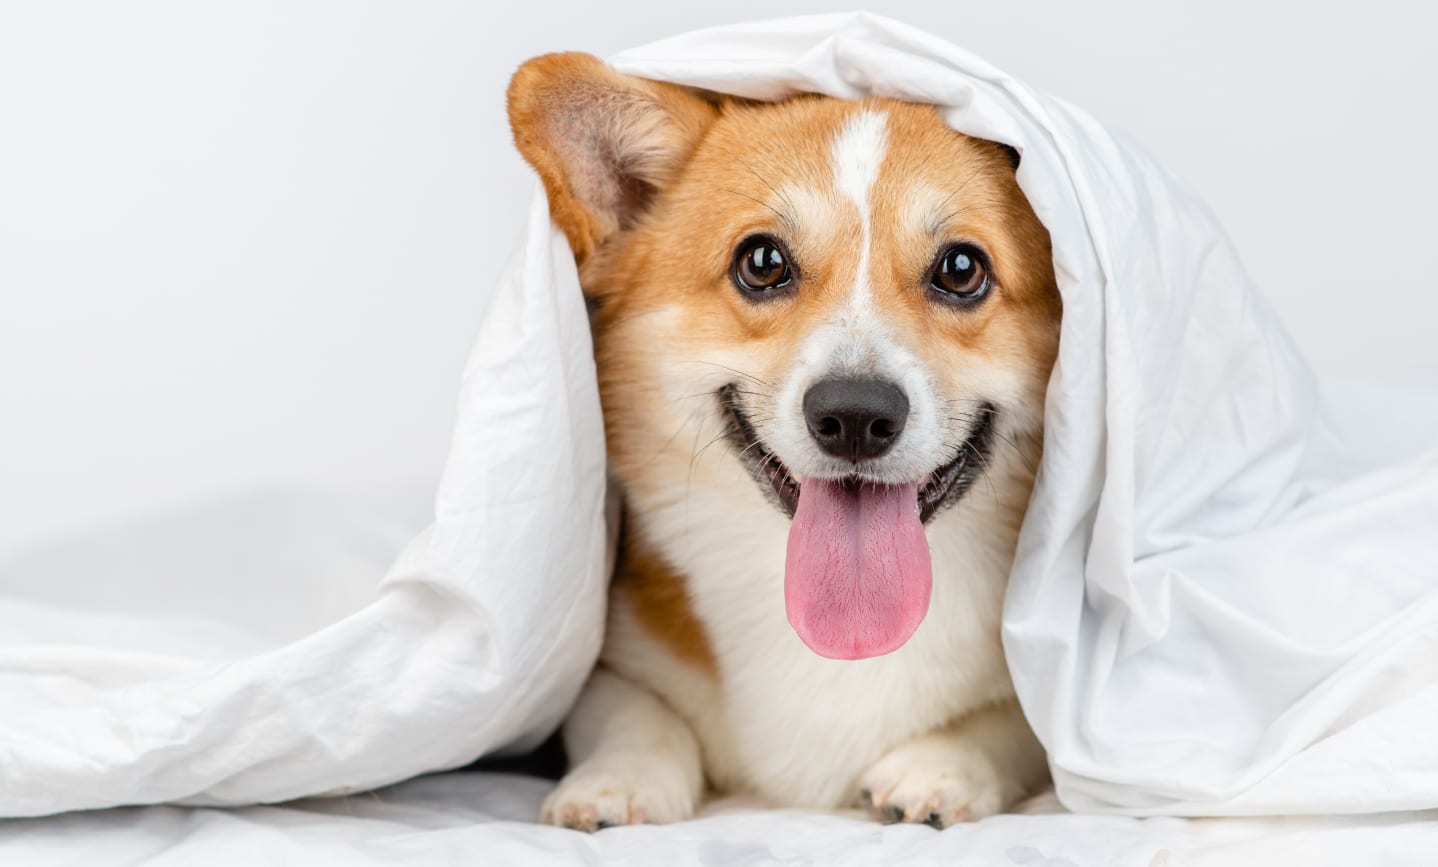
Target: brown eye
[[961, 275], [760, 267]]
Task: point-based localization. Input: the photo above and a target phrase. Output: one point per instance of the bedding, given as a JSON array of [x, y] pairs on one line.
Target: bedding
[[329, 545], [476, 818], [1217, 608]]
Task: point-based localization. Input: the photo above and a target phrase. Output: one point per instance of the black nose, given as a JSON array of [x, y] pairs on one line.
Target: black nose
[[855, 419]]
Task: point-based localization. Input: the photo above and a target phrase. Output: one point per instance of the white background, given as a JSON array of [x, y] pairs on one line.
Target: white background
[[246, 245]]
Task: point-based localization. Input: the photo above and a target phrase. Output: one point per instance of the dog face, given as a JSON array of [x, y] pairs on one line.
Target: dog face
[[846, 307]]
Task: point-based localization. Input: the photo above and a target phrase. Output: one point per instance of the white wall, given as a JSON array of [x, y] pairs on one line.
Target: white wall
[[247, 244]]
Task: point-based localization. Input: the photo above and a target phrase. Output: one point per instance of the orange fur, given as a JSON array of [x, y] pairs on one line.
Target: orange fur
[[561, 105], [660, 602]]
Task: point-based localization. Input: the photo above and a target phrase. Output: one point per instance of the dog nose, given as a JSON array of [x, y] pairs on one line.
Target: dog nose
[[857, 419]]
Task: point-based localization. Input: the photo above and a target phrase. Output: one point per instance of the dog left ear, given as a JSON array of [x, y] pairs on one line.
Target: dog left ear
[[601, 141]]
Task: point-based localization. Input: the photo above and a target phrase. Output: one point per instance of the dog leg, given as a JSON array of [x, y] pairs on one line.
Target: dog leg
[[977, 766], [632, 760]]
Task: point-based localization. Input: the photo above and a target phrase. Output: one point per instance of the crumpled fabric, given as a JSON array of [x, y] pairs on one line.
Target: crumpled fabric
[[1214, 608]]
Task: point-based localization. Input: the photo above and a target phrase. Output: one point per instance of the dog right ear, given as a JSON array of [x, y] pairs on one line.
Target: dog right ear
[[601, 141]]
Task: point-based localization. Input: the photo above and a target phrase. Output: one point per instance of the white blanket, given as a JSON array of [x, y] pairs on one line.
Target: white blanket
[[1211, 612]]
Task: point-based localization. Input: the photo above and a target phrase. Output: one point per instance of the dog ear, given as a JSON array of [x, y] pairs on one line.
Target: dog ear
[[601, 141]]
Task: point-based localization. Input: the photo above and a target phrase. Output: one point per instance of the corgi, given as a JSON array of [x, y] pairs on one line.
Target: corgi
[[823, 331]]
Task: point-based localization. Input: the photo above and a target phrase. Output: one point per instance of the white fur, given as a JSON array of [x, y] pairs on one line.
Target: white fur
[[858, 154], [972, 768], [641, 762], [929, 728]]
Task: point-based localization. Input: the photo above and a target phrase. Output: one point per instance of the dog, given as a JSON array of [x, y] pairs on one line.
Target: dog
[[823, 331]]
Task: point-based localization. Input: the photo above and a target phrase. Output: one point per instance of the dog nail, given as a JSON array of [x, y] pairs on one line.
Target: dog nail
[[934, 821], [866, 795], [893, 813], [602, 824]]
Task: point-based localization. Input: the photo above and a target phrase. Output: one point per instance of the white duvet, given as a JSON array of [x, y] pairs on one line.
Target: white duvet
[[1213, 610]]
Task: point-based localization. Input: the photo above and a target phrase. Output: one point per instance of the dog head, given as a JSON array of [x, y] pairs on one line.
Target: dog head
[[855, 300]]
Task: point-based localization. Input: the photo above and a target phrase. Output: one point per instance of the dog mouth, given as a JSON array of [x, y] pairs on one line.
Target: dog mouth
[[944, 487]]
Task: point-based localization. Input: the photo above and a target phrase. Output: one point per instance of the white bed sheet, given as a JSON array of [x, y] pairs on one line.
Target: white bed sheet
[[479, 818]]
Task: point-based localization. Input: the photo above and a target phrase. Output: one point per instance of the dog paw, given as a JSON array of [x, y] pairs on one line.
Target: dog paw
[[595, 798], [936, 784]]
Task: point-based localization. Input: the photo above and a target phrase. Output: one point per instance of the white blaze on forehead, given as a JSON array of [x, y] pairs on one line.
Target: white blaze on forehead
[[858, 153]]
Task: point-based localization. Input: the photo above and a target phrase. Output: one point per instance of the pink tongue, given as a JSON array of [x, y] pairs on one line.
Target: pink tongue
[[857, 574]]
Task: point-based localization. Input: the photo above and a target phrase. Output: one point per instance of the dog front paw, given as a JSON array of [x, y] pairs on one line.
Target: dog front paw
[[937, 782], [592, 797]]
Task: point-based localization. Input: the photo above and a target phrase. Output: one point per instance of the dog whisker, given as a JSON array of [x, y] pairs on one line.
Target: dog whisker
[[677, 431], [987, 476], [783, 217], [787, 220], [748, 376], [972, 205], [939, 223]]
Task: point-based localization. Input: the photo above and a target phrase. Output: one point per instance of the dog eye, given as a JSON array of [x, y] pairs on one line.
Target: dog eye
[[961, 274], [760, 267]]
